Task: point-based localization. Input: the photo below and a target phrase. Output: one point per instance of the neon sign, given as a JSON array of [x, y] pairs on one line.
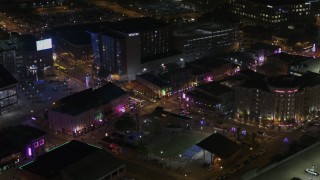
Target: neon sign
[[29, 151]]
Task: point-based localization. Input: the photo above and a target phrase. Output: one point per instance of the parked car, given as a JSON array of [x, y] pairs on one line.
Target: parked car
[[226, 176], [312, 172]]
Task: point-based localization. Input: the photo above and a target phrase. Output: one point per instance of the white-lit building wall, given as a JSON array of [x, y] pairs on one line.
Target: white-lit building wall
[[207, 44], [269, 13]]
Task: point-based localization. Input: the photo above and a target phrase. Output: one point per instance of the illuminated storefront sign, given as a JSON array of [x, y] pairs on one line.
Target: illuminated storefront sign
[[133, 34], [289, 91]]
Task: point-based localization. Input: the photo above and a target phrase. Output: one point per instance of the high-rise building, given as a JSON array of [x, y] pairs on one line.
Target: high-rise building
[[8, 91], [120, 48], [204, 39], [8, 55]]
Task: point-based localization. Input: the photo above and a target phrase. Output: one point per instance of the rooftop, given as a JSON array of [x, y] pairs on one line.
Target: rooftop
[[6, 78], [74, 155], [309, 79], [15, 138], [76, 37], [290, 58], [264, 46], [204, 98], [219, 145], [132, 25], [205, 65], [249, 74], [6, 45], [27, 42], [94, 166], [278, 2], [88, 99], [214, 88], [209, 62], [156, 80], [198, 30]]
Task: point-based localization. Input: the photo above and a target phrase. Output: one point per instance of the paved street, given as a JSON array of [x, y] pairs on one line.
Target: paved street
[[296, 166]]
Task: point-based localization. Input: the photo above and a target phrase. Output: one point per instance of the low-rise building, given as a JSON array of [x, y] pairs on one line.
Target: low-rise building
[[158, 84], [209, 69], [20, 144], [279, 98], [75, 160], [213, 96], [294, 64], [78, 113]]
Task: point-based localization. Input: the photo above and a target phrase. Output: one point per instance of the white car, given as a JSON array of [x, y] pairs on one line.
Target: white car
[[312, 172]]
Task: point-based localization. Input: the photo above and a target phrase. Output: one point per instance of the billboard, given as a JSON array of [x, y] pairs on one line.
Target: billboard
[[44, 44]]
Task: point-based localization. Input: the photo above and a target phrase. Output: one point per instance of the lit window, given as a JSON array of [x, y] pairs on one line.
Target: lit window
[[41, 142], [35, 144]]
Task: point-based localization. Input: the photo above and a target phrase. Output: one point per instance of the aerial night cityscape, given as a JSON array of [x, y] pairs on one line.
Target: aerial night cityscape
[[160, 89]]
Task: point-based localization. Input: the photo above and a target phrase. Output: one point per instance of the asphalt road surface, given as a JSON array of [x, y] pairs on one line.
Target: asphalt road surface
[[295, 167]]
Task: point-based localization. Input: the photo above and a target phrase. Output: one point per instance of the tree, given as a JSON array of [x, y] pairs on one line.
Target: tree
[[142, 149], [238, 133], [103, 73], [155, 127], [124, 123]]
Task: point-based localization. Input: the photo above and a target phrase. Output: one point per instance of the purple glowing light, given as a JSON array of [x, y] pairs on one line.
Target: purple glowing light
[[122, 109], [29, 151], [244, 132], [233, 129], [314, 48], [285, 140], [202, 122], [209, 79], [33, 118]]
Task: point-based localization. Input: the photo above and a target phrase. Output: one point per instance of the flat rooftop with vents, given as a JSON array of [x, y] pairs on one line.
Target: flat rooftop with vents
[[74, 160]]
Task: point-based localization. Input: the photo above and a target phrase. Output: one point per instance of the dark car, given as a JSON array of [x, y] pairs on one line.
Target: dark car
[[226, 176], [247, 161]]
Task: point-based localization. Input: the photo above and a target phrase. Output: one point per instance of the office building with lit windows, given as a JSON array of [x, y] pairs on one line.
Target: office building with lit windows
[[279, 98], [205, 39], [8, 91], [121, 48], [272, 12], [33, 3]]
